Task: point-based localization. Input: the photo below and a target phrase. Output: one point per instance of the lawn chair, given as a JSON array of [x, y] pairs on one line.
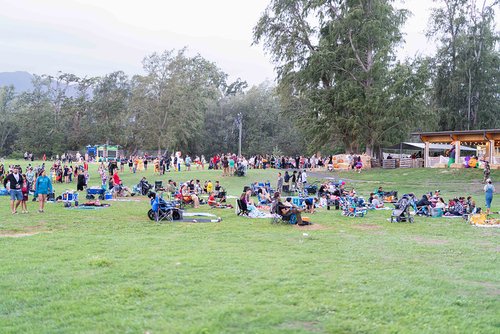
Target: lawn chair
[[278, 218], [241, 208], [162, 210]]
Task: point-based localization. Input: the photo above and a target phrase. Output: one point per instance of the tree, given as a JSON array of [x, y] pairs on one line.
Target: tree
[[334, 61], [38, 133], [177, 91], [78, 114], [265, 126], [109, 108], [466, 67], [8, 124]]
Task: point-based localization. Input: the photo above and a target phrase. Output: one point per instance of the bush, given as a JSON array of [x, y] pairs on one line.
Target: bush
[[16, 155]]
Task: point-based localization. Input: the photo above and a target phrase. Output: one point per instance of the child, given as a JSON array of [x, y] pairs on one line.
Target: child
[[310, 204], [25, 191], [213, 203], [359, 166], [323, 201]]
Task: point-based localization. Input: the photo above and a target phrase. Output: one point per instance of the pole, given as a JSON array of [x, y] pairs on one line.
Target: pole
[[240, 128]]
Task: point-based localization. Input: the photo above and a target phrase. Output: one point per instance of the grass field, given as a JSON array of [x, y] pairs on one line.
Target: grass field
[[114, 271]]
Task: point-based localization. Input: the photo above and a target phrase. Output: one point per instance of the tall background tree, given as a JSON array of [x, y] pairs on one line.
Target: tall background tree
[[265, 126], [466, 67], [9, 124], [337, 71], [172, 99]]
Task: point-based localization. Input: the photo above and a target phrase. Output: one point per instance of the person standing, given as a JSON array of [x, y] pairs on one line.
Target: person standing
[[25, 192], [13, 183], [304, 178], [489, 189], [80, 183], [187, 163], [225, 166], [42, 189], [130, 164], [30, 178], [294, 180], [486, 172], [231, 165], [451, 155], [279, 185]]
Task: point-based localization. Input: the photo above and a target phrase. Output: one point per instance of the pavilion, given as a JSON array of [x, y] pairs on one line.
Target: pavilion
[[487, 141]]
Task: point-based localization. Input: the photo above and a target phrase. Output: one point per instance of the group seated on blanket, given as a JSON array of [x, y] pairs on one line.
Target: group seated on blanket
[[332, 188], [461, 206], [434, 205]]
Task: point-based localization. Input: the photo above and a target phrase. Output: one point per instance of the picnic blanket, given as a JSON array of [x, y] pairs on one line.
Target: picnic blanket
[[198, 214], [84, 207], [199, 220]]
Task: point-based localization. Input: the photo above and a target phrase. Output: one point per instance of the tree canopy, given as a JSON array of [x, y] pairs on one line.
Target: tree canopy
[[337, 70], [339, 86]]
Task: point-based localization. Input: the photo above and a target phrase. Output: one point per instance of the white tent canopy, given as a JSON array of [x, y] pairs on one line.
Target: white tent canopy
[[421, 146]]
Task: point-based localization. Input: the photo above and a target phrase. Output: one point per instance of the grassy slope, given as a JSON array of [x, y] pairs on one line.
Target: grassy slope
[[112, 270]]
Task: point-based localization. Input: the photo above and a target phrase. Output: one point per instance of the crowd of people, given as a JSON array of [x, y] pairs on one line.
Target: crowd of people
[[293, 176], [334, 194], [19, 185], [435, 205]]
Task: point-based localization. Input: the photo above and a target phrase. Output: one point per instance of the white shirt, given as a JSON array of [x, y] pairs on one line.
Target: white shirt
[[440, 205]]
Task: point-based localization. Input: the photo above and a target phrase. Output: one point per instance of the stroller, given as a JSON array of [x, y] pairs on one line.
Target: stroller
[[401, 213], [144, 187], [240, 171], [163, 210]]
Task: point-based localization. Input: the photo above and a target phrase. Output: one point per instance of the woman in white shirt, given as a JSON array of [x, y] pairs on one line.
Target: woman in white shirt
[[440, 204]]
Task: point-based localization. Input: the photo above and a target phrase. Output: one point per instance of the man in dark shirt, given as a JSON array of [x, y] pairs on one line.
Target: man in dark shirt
[[425, 204], [14, 182]]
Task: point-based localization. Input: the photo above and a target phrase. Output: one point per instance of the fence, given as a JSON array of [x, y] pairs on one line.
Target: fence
[[402, 163]]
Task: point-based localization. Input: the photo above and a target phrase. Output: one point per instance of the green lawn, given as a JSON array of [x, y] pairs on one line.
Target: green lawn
[[114, 271]]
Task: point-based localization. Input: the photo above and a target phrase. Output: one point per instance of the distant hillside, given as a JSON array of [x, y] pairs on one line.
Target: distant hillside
[[20, 80]]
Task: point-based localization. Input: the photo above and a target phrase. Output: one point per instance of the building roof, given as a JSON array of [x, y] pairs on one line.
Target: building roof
[[468, 136]]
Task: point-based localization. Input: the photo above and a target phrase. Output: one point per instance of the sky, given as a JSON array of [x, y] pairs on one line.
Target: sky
[[96, 37]]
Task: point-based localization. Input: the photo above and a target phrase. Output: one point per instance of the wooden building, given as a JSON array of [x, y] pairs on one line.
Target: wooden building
[[487, 141]]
